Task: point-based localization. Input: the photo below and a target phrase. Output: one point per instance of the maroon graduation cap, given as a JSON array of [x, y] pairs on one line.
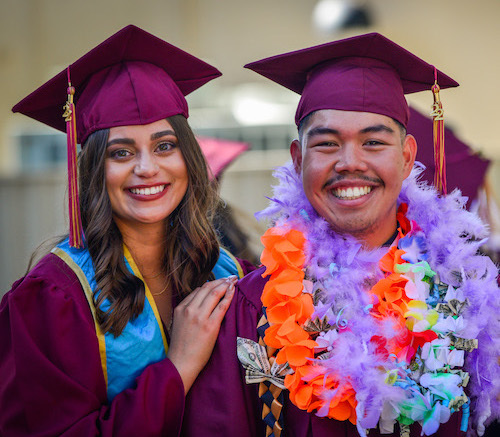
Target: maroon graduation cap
[[366, 73], [132, 78]]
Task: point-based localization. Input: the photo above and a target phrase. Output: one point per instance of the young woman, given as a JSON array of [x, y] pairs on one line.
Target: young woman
[[107, 333]]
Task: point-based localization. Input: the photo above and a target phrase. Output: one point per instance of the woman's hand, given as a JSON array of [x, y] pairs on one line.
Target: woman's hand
[[196, 324]]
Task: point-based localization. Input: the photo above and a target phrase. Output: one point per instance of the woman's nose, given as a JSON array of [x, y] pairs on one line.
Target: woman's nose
[[146, 166]]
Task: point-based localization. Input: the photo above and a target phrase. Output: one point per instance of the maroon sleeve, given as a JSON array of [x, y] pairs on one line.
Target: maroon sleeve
[[246, 266], [220, 403], [51, 379]]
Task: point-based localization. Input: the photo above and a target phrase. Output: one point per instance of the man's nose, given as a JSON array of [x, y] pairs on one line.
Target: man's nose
[[350, 159]]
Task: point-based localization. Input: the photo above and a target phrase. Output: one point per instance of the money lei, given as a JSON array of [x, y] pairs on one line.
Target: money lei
[[258, 368]]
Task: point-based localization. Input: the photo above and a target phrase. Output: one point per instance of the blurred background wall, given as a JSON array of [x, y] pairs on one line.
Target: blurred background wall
[[39, 38]]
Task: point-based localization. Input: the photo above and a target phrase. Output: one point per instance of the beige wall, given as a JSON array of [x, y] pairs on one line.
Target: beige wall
[[38, 38]]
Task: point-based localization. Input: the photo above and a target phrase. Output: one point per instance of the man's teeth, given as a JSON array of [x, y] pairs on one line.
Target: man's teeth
[[148, 191], [351, 192]]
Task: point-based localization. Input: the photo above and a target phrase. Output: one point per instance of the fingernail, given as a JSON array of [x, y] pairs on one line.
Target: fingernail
[[231, 278], [231, 287]]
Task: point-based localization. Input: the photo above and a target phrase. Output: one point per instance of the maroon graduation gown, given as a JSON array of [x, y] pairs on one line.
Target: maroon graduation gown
[[51, 379], [220, 403]]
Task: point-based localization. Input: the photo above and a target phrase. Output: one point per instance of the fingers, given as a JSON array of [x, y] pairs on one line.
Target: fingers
[[188, 299], [206, 286], [209, 294], [196, 324], [221, 308], [214, 296], [202, 302]]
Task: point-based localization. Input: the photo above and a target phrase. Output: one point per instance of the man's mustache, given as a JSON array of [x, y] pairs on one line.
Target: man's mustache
[[339, 178]]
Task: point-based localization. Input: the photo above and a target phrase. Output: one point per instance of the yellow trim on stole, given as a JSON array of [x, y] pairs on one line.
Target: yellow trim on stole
[[149, 296], [90, 299], [236, 263]]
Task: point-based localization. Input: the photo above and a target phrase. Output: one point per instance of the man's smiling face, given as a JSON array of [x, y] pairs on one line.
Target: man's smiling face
[[352, 166]]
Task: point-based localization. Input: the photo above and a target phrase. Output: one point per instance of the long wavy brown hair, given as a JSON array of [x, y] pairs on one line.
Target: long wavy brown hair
[[191, 248]]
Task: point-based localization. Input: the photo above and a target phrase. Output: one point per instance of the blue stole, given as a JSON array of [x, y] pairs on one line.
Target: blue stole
[[143, 341]]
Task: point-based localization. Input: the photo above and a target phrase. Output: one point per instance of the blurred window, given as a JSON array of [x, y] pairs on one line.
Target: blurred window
[[39, 152]]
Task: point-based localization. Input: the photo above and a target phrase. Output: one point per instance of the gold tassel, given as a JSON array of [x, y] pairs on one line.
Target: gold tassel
[[438, 139], [75, 221]]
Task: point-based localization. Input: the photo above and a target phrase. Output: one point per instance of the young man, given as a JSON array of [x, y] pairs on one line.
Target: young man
[[371, 302]]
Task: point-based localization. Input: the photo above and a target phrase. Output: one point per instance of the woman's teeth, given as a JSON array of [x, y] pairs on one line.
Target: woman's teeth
[[148, 191], [351, 192]]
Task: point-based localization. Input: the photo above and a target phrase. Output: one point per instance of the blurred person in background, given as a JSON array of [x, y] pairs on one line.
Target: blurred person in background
[[237, 231]]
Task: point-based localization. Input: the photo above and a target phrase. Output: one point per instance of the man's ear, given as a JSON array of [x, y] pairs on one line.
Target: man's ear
[[409, 153], [296, 152]]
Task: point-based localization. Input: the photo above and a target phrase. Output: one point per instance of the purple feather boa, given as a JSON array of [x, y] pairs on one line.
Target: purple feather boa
[[345, 271]]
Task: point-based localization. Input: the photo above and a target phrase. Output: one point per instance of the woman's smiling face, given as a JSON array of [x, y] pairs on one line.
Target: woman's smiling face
[[145, 172]]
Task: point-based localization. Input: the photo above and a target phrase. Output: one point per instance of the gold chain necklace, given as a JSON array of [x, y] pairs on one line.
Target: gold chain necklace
[[155, 276], [161, 292]]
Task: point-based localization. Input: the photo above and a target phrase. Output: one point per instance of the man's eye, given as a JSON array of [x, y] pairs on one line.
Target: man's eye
[[326, 144], [374, 143]]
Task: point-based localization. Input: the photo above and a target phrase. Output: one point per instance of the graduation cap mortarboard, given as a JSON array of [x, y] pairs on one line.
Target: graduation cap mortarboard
[[132, 78], [366, 73]]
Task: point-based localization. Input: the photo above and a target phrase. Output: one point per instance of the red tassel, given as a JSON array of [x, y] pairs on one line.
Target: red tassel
[[75, 220], [438, 136]]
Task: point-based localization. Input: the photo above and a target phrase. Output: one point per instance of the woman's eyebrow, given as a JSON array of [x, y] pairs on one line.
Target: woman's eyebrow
[[127, 141], [131, 142], [161, 134]]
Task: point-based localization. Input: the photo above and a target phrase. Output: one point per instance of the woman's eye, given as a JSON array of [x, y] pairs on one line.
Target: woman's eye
[[120, 153], [163, 147]]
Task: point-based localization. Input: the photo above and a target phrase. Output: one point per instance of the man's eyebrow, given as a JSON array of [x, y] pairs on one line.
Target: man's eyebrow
[[377, 128], [321, 130], [161, 134]]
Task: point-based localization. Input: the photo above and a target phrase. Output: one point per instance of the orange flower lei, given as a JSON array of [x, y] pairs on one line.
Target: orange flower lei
[[288, 308]]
